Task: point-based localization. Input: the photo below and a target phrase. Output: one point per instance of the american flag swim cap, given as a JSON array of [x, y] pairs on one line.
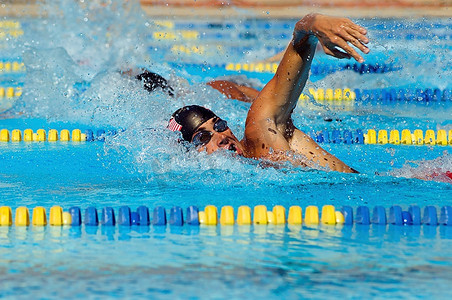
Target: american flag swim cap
[[188, 119]]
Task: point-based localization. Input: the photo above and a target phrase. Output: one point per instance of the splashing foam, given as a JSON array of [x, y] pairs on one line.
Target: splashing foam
[[75, 76], [439, 169], [73, 57]]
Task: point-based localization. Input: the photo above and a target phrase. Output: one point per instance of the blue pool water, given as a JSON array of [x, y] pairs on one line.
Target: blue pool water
[[71, 81]]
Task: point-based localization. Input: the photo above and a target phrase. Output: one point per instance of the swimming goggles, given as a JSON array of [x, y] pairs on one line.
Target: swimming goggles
[[203, 137]]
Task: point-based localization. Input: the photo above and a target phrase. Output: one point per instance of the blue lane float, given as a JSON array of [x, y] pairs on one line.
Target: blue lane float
[[446, 216], [91, 218], [100, 135], [395, 215], [143, 216], [407, 95], [379, 216], [76, 216], [406, 218], [362, 215], [124, 218], [134, 218], [192, 215], [347, 212], [108, 217], [159, 217], [337, 136], [430, 216], [176, 216], [415, 213], [89, 135]]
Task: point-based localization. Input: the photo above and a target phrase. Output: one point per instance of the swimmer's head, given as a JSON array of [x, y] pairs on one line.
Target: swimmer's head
[[188, 119], [204, 129], [152, 81]]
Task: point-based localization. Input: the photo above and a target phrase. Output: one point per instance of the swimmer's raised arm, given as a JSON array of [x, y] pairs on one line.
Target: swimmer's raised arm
[[269, 131], [269, 128], [281, 94]]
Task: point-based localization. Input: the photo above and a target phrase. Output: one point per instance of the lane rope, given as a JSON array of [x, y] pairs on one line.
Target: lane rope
[[53, 135], [327, 215], [11, 67], [431, 137], [439, 137]]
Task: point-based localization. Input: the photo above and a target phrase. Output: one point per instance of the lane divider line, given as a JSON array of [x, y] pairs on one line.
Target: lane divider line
[[209, 216], [53, 135], [373, 137], [440, 137]]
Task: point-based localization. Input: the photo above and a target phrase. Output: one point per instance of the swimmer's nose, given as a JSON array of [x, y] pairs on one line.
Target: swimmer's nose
[[222, 141]]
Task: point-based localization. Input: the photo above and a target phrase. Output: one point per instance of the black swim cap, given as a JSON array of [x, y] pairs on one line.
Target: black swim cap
[[153, 81], [188, 119]]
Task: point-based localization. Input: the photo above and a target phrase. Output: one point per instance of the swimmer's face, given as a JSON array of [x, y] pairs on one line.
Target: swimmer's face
[[213, 135]]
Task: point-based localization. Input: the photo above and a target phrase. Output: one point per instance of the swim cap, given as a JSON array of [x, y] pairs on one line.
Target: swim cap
[[188, 119], [153, 80]]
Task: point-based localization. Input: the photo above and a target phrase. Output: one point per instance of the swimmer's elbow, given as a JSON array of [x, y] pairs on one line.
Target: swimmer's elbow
[[353, 171]]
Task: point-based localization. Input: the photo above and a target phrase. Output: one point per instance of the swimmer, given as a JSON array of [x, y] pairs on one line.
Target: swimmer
[[269, 130], [437, 175], [153, 81], [231, 89]]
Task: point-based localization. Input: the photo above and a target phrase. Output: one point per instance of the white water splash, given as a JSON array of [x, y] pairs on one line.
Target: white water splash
[[439, 169]]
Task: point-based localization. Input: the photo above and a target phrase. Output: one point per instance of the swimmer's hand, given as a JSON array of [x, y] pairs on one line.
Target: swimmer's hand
[[334, 35]]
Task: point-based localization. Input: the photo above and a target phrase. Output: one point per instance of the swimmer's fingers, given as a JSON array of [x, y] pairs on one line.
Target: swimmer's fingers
[[356, 38], [358, 33], [336, 33], [349, 49], [358, 28], [351, 31], [342, 44]]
